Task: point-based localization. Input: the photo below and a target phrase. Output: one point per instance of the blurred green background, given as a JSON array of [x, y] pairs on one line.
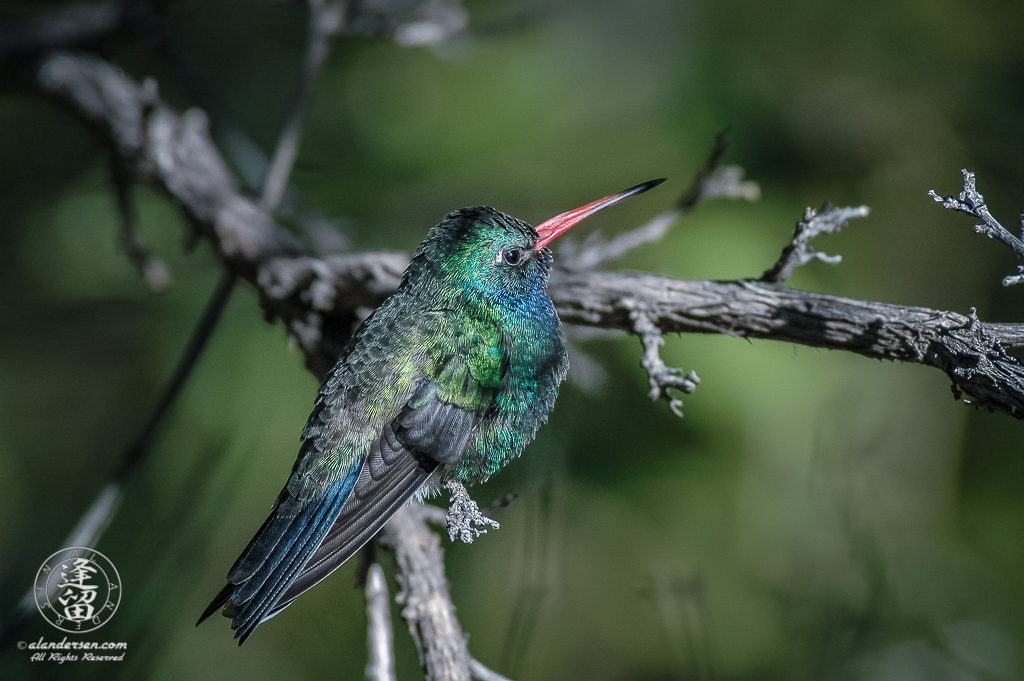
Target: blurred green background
[[816, 515]]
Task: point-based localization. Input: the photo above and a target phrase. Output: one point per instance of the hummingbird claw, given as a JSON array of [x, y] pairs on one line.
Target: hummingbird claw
[[465, 520]]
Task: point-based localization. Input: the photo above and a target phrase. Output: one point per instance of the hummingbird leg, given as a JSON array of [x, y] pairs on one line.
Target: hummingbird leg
[[465, 519]]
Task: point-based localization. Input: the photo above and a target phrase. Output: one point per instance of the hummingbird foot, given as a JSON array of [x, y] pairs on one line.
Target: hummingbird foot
[[465, 519]]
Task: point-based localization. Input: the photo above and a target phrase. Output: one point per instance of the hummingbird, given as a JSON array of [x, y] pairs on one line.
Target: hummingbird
[[448, 379]]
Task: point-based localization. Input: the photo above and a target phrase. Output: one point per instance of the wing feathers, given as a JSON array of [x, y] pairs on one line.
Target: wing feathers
[[390, 476], [313, 530], [218, 602], [281, 517], [436, 428], [255, 598], [368, 508]]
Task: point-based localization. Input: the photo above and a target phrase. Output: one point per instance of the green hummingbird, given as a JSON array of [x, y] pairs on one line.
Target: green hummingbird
[[448, 379]]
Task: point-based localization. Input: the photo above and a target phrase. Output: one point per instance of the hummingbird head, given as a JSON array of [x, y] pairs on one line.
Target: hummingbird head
[[482, 249]]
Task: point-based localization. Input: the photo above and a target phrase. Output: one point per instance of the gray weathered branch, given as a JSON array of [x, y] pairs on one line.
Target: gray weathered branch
[[728, 183], [153, 270], [971, 202], [661, 377], [595, 251], [428, 610], [380, 665], [317, 299], [709, 182], [424, 591], [971, 354], [799, 252]]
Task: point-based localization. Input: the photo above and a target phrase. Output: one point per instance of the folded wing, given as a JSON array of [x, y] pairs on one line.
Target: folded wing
[[305, 539]]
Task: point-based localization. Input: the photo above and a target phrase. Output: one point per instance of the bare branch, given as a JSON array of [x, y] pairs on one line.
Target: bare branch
[[799, 251], [464, 518], [692, 196], [72, 25], [434, 514], [379, 637], [973, 358], [152, 269], [411, 23], [428, 610], [424, 590], [712, 181], [479, 671], [973, 203], [594, 250], [174, 152], [325, 20], [709, 182], [317, 299], [661, 377], [728, 183]]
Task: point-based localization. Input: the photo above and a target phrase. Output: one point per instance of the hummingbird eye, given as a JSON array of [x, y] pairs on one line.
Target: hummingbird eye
[[511, 256]]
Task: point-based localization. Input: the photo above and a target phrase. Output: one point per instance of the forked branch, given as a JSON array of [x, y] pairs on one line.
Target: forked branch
[[799, 251], [971, 202]]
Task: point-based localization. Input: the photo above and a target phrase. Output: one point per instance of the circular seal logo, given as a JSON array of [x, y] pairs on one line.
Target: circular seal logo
[[77, 589]]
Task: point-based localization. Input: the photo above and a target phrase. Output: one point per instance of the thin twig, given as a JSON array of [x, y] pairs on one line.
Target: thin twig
[[692, 196], [973, 203], [799, 252], [594, 250], [728, 183], [325, 20], [70, 26], [152, 269], [379, 638], [709, 182], [479, 671], [662, 378], [537, 567]]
